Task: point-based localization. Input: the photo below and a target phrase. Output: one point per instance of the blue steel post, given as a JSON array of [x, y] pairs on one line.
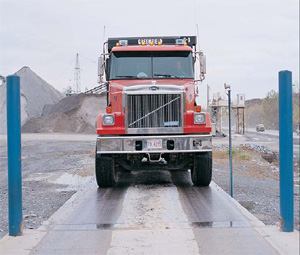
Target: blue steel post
[[286, 150], [14, 155], [230, 146]]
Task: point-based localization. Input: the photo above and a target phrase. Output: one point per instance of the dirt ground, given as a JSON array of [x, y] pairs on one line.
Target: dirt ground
[[52, 171], [255, 183]]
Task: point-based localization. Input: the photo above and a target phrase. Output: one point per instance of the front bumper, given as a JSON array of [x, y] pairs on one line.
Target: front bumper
[[128, 144]]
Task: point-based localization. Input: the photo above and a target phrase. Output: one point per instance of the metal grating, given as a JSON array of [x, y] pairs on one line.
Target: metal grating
[[156, 110]]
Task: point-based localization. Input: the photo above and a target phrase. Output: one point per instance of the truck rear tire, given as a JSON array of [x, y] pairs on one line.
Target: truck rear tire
[[106, 175], [202, 170]]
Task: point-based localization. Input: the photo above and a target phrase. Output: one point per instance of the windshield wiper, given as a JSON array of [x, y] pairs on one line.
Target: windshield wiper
[[167, 75]]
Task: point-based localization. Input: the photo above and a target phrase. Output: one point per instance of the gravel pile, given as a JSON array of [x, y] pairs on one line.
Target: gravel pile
[[266, 153], [220, 147], [259, 148], [44, 109], [35, 94], [73, 114]]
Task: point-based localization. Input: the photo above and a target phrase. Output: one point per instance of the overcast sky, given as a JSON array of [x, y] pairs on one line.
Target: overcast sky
[[246, 42]]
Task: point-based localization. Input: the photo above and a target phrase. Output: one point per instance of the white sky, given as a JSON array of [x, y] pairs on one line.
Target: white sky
[[246, 42]]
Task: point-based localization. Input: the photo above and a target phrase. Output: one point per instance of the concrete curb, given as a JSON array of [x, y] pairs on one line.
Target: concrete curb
[[68, 207], [253, 220]]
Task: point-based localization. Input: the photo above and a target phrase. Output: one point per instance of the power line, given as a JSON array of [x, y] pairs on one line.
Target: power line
[[66, 72], [81, 56]]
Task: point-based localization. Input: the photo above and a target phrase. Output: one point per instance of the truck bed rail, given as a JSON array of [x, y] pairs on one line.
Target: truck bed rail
[[97, 90]]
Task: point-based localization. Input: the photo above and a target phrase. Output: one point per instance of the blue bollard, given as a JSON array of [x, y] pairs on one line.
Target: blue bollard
[[286, 151], [14, 155]]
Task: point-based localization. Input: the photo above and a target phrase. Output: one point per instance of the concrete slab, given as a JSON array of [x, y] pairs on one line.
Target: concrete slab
[[74, 242], [158, 241], [283, 242], [232, 241], [24, 244]]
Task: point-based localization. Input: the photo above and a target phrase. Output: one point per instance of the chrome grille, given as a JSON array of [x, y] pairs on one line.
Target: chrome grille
[[154, 111]]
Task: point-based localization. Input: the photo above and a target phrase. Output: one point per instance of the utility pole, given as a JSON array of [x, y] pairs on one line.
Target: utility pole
[[228, 90], [207, 97], [77, 85]]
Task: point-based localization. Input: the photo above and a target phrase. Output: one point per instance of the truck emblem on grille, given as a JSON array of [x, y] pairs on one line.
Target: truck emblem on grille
[[154, 88]]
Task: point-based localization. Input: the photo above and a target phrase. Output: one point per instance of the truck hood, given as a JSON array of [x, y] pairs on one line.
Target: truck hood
[[119, 84], [117, 87]]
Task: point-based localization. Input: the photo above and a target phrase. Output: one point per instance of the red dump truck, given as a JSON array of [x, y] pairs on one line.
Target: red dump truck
[[152, 121]]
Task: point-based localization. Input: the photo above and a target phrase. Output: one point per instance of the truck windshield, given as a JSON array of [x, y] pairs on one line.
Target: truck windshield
[[146, 65]]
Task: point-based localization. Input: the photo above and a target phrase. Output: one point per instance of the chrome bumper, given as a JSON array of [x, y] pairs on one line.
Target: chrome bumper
[[127, 144]]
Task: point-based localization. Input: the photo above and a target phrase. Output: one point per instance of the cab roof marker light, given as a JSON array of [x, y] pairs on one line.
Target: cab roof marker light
[[165, 40], [117, 44], [151, 43], [180, 41], [123, 42]]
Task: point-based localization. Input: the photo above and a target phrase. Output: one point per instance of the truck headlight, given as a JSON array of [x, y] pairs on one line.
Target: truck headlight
[[199, 118], [108, 120]]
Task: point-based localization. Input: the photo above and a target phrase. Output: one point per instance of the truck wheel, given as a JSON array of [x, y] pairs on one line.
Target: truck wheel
[[106, 175], [202, 170]]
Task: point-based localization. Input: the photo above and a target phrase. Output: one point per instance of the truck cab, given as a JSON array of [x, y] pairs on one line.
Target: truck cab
[[152, 121]]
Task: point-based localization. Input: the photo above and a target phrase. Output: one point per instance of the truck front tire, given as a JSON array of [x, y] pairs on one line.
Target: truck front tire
[[106, 175], [202, 169]]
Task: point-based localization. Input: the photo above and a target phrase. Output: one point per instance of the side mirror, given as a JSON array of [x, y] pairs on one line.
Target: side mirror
[[202, 64], [101, 67]]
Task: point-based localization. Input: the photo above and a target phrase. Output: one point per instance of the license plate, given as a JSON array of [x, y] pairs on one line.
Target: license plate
[[154, 144]]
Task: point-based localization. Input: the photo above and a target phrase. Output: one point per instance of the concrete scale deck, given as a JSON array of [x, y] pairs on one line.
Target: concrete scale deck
[[172, 217]]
